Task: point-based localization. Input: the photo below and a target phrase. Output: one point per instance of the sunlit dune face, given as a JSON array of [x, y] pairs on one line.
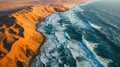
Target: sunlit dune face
[[19, 39], [9, 33]]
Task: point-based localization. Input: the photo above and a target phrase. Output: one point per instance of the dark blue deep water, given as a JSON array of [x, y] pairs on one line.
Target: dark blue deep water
[[87, 35]]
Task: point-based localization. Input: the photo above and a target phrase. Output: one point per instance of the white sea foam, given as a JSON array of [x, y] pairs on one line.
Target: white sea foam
[[78, 51], [60, 37], [91, 46], [95, 26], [105, 61], [77, 7]]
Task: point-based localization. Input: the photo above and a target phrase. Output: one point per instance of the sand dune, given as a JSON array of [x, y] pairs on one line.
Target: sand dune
[[19, 39]]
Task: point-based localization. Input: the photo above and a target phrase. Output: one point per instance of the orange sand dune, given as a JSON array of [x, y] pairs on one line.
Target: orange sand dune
[[19, 39]]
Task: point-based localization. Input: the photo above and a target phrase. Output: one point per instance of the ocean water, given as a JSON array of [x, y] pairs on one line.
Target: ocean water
[[87, 35]]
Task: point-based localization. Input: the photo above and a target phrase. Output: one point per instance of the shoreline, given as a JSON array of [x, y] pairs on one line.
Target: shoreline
[[29, 41], [32, 59]]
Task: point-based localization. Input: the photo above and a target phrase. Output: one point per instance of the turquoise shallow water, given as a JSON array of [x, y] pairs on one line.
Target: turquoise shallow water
[[87, 35]]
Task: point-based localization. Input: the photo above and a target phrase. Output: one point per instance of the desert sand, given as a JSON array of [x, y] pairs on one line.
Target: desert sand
[[19, 39]]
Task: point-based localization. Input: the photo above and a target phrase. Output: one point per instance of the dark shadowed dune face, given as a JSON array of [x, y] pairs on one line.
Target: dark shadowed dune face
[[17, 41], [10, 32]]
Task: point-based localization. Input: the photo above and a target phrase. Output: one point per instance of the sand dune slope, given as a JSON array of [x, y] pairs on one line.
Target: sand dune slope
[[19, 39]]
